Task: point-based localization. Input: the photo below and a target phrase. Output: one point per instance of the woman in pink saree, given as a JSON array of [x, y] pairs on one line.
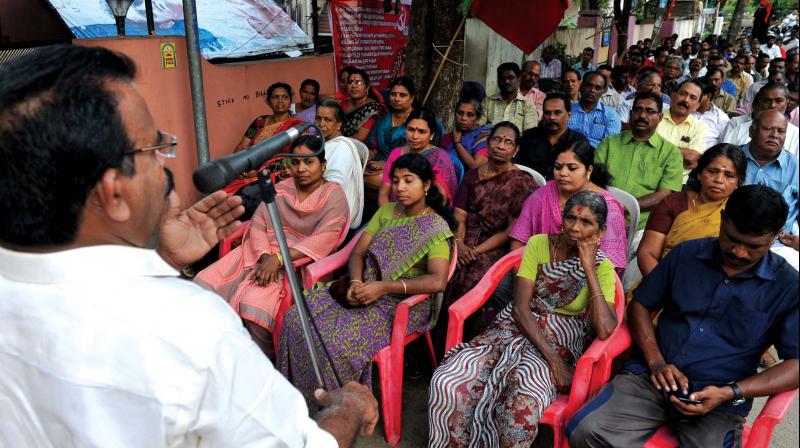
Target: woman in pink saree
[[314, 214], [574, 171]]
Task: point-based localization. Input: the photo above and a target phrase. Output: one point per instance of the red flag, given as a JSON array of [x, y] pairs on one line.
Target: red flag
[[525, 23]]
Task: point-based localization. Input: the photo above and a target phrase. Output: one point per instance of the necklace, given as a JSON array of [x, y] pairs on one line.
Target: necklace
[[402, 118], [424, 212], [555, 248], [694, 200]]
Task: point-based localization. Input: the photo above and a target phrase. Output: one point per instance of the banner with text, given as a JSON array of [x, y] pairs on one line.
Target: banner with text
[[370, 36]]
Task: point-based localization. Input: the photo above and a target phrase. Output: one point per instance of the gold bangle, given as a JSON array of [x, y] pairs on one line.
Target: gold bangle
[[405, 289], [359, 281], [280, 258], [596, 295]]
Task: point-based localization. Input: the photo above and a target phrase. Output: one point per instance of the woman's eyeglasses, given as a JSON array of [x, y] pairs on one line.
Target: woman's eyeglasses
[[499, 141]]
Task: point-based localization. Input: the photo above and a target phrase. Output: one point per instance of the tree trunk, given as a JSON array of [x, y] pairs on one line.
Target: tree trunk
[[736, 21], [622, 11], [660, 14], [434, 22]]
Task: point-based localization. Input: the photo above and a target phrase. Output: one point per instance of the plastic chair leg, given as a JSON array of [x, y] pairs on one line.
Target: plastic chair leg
[[431, 351], [559, 440], [391, 381]]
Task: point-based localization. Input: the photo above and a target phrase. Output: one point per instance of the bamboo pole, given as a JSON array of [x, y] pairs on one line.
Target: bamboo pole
[[444, 59]]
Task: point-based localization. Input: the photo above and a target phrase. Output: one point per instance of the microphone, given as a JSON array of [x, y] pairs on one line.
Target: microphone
[[213, 175]]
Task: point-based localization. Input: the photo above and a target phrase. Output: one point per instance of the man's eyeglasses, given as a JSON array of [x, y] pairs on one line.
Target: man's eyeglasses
[[357, 82], [644, 111], [167, 150]]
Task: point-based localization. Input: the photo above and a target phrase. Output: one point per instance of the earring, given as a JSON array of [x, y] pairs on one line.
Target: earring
[[426, 192]]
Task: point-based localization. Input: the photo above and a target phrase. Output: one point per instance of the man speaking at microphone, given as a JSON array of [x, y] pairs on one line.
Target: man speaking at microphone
[[101, 344]]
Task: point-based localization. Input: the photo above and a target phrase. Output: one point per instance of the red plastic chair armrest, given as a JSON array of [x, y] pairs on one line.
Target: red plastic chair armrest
[[400, 324], [470, 302], [594, 366], [225, 244], [319, 269], [300, 262], [773, 413]]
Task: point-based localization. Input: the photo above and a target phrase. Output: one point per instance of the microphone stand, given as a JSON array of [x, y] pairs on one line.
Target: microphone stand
[[268, 194]]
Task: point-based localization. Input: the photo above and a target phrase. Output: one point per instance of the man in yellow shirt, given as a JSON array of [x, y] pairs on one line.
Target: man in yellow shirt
[[740, 78], [509, 104], [682, 129]]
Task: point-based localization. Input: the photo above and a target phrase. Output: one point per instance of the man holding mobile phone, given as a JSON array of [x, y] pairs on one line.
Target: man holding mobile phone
[[723, 301]]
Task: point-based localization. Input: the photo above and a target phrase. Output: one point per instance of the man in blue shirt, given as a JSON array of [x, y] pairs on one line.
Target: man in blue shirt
[[585, 65], [590, 117], [723, 301], [770, 164]]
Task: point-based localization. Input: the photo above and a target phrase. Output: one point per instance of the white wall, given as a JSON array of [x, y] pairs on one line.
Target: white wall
[[484, 50]]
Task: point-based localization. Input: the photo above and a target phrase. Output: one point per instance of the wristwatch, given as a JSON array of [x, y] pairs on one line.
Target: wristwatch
[[738, 396]]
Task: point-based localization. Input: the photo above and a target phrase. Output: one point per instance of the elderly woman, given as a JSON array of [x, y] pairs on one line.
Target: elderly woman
[[574, 171], [467, 142], [314, 216], [421, 135], [346, 158], [279, 98], [695, 212], [404, 250], [362, 108], [488, 202], [493, 390]]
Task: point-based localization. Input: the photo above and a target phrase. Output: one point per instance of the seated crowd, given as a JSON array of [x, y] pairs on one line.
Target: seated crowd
[[563, 165], [664, 132], [674, 133]]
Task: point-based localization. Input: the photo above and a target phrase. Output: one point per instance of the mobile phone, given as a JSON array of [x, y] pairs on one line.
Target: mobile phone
[[685, 399]]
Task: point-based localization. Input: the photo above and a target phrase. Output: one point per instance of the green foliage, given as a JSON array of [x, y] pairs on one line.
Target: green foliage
[[566, 60], [464, 6]]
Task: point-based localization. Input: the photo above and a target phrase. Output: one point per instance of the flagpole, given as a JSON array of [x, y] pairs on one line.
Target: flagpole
[[444, 59]]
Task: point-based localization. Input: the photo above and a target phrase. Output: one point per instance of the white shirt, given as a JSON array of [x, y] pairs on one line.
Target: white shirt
[[750, 94], [738, 133], [774, 52], [613, 99], [346, 160], [716, 121], [105, 346]]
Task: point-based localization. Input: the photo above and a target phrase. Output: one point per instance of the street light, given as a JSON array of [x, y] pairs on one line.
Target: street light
[[120, 9]]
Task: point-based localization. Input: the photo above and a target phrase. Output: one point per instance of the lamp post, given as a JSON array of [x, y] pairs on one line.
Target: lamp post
[[120, 9]]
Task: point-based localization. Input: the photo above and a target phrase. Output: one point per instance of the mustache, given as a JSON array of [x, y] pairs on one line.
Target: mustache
[[736, 260], [170, 184], [642, 122], [684, 104]]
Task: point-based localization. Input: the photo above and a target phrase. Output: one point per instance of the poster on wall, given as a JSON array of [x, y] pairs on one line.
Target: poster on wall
[[227, 28], [367, 36], [605, 39]]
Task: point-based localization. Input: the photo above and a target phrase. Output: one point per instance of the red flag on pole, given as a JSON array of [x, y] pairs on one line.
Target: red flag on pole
[[525, 23]]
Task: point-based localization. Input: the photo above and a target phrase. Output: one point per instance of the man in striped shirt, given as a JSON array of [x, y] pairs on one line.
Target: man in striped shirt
[[551, 67]]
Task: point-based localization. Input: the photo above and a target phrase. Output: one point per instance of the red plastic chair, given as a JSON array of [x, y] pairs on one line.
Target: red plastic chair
[[757, 436], [390, 358], [288, 300], [592, 370]]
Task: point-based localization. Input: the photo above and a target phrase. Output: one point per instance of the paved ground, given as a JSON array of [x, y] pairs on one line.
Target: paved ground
[[415, 421]]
